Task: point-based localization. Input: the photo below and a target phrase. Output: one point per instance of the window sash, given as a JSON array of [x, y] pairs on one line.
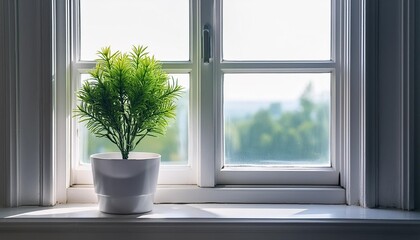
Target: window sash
[[179, 174], [218, 67]]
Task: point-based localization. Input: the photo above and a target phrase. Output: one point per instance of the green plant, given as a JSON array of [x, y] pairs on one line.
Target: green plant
[[128, 98]]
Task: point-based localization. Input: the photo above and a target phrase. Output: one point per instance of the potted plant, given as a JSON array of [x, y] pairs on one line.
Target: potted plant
[[128, 98]]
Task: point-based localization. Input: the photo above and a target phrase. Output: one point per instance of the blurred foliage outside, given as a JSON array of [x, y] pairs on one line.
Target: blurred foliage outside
[[269, 136], [273, 137]]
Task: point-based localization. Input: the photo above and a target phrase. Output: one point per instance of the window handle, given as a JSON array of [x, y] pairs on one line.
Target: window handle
[[206, 44]]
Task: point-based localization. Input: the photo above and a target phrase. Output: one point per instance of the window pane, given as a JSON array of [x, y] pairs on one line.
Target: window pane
[[173, 146], [277, 29], [277, 119], [162, 25]]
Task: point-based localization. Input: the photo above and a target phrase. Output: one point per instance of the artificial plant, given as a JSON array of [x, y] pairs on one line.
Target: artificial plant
[[128, 97]]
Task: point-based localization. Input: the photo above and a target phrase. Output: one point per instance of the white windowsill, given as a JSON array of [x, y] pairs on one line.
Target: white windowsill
[[214, 212], [210, 221]]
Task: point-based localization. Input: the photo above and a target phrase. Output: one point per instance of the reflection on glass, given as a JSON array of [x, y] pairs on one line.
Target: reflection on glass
[[277, 119], [162, 25], [173, 146], [276, 29]]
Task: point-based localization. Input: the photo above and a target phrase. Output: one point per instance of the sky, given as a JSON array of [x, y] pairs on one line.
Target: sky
[[252, 30]]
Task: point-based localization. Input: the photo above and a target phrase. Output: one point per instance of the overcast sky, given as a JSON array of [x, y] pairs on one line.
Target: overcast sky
[[252, 30]]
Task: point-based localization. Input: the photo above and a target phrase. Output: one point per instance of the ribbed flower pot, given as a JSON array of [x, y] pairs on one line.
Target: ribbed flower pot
[[125, 186]]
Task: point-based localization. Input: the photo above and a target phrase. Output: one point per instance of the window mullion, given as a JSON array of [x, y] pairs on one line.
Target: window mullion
[[207, 124]]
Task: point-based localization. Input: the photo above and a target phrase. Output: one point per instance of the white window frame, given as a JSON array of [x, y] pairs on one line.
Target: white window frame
[[277, 175], [213, 186]]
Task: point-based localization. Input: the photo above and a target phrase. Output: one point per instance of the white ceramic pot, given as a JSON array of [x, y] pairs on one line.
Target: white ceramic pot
[[125, 186]]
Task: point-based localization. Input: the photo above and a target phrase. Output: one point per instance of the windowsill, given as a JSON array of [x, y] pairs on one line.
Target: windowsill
[[210, 221], [216, 212]]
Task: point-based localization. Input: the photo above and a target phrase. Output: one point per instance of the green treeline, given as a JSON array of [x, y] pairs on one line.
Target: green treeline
[[270, 135]]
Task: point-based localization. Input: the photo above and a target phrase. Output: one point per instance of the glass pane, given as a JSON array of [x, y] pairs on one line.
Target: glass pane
[[173, 146], [277, 119], [277, 29], [162, 25]]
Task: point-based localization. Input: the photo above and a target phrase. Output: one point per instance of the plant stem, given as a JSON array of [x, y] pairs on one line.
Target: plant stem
[[124, 154]]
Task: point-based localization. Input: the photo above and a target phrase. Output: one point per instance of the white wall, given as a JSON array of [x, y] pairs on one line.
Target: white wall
[[417, 108], [3, 77], [389, 78], [27, 134], [7, 63]]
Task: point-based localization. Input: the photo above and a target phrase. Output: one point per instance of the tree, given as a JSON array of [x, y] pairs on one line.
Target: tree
[[275, 137]]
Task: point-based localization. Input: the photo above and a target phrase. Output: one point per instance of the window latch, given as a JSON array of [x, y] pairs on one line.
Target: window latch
[[206, 44]]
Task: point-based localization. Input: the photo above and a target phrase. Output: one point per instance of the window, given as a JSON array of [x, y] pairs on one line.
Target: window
[[263, 80]]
